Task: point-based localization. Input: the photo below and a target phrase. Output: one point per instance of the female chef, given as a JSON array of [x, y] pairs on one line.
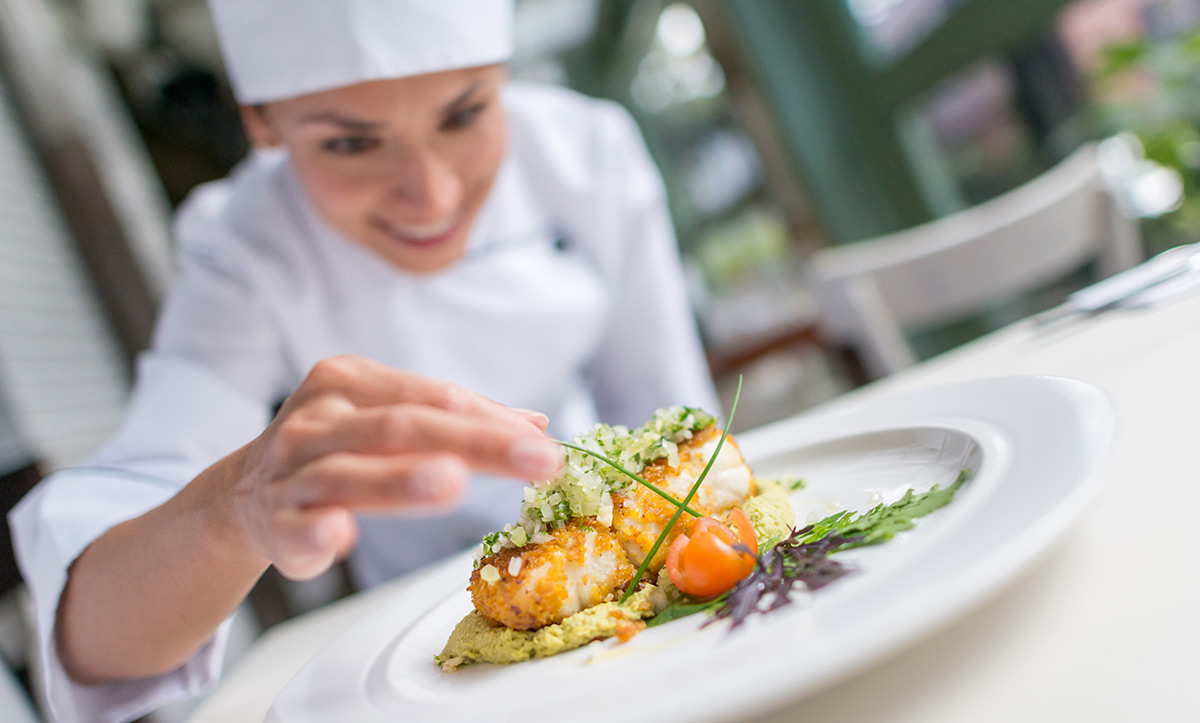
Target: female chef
[[408, 216]]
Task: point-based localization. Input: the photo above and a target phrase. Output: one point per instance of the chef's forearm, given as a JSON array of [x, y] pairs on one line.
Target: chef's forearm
[[150, 592]]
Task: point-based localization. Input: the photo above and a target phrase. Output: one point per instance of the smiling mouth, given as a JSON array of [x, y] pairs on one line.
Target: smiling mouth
[[423, 237]]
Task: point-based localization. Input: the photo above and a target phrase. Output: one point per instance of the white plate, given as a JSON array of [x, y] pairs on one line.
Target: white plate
[[1035, 444]]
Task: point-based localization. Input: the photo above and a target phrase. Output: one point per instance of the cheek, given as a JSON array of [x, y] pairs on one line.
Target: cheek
[[477, 166], [340, 198]]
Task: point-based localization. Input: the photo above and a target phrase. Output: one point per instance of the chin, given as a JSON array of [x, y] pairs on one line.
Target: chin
[[420, 261], [423, 267]]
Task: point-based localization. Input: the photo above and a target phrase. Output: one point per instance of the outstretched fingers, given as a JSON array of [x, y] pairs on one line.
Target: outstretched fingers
[[368, 383], [484, 444], [371, 483], [359, 436]]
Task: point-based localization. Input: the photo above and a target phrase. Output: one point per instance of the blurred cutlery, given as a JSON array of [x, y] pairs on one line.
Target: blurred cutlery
[[1130, 284]]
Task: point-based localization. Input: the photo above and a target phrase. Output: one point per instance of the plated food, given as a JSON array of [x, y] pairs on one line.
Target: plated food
[[645, 526], [1036, 445]]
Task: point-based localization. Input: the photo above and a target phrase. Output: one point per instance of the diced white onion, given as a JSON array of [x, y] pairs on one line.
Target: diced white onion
[[489, 574]]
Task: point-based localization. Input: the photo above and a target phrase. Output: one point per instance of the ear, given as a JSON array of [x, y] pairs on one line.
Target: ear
[[258, 128]]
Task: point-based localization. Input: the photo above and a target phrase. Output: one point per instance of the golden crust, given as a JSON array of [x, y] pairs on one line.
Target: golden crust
[[582, 564], [639, 517]]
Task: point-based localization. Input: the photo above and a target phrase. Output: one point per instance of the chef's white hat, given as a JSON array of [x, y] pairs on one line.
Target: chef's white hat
[[278, 49]]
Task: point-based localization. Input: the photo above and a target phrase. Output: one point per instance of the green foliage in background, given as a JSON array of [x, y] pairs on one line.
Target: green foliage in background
[[754, 243], [1152, 89]]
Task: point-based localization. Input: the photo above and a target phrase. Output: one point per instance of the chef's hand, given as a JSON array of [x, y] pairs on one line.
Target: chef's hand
[[361, 436]]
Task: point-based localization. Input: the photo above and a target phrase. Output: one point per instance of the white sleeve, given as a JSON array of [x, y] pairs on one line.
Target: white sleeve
[[651, 355], [180, 419]]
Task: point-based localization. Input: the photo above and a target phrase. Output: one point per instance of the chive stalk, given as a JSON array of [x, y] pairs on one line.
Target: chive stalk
[[652, 487], [691, 493]]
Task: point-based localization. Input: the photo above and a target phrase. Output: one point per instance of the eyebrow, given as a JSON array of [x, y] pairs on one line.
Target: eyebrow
[[341, 120], [462, 97], [361, 125]]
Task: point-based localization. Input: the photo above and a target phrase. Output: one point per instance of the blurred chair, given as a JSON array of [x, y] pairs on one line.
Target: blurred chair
[[63, 371], [84, 237], [84, 259], [869, 292], [107, 198]]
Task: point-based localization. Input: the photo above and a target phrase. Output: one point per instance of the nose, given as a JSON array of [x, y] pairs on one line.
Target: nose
[[426, 185]]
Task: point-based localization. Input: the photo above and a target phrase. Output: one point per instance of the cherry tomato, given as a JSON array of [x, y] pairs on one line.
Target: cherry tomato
[[745, 530], [706, 562]]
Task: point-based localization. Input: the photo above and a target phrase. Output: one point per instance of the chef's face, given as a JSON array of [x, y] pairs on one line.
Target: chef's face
[[400, 166]]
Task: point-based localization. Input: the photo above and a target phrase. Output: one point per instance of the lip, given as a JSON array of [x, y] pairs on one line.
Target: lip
[[417, 240]]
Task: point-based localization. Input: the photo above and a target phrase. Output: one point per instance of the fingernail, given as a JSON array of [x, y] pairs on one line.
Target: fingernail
[[321, 534], [537, 418], [324, 532], [535, 458]]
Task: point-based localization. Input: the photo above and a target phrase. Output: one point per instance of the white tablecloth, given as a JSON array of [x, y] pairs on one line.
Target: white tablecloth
[[1106, 627]]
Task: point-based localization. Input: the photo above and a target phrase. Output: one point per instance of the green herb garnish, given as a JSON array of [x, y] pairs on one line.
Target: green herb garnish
[[882, 522], [637, 478], [682, 610], [598, 464]]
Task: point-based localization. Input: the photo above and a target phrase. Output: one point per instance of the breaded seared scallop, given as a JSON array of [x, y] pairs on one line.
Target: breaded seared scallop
[[639, 515], [540, 584]]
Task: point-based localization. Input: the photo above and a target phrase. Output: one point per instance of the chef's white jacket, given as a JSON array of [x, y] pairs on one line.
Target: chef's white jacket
[[569, 300]]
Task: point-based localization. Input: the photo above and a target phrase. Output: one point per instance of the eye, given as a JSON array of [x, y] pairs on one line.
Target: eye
[[350, 145], [463, 118]]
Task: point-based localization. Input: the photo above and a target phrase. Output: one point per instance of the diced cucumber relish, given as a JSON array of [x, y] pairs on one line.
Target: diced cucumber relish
[[585, 485]]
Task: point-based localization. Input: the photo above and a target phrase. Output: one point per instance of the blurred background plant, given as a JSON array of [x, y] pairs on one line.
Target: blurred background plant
[[1150, 87]]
